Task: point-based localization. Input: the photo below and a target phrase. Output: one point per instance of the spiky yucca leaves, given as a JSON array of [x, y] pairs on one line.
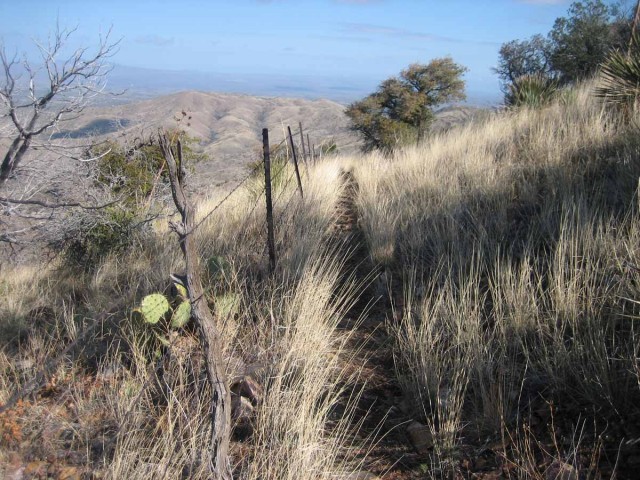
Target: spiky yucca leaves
[[620, 77], [532, 91]]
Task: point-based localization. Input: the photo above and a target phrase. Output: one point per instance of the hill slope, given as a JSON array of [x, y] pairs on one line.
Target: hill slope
[[469, 305], [227, 126]]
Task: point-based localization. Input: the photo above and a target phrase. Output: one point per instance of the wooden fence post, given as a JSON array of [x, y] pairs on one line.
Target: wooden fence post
[[309, 146], [271, 243], [295, 163], [304, 152]]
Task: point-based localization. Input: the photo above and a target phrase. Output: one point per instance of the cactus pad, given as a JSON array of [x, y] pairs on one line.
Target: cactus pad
[[181, 315], [153, 307]]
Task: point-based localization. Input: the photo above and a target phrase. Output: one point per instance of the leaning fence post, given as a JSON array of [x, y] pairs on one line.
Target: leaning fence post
[[304, 152], [295, 162], [271, 243]]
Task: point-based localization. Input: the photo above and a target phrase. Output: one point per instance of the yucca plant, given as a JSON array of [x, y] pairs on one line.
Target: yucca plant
[[532, 91], [620, 77]]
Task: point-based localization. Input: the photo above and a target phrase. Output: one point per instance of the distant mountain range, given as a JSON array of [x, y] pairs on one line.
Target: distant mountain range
[[227, 126], [141, 83]]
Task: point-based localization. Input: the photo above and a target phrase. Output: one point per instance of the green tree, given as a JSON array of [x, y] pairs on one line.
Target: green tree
[[401, 110], [581, 41], [574, 48], [523, 57]]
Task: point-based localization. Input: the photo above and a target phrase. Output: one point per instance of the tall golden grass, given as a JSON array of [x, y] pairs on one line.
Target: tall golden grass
[[510, 249]]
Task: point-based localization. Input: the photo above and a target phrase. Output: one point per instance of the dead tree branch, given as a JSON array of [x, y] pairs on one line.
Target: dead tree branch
[[31, 109], [220, 411]]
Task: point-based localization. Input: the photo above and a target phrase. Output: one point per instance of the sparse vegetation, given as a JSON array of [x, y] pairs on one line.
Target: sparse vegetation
[[468, 304]]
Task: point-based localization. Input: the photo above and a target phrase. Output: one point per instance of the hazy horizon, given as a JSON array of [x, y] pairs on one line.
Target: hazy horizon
[[335, 49]]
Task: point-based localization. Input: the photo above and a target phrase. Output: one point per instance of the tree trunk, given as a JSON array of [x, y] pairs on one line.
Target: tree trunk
[[13, 157], [220, 412]]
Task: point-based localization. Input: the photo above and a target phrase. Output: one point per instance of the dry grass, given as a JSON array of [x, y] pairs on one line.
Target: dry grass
[[510, 249], [517, 241]]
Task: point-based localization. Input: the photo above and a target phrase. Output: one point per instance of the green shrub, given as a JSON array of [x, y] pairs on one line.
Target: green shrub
[[110, 231], [532, 91], [132, 173], [620, 78], [279, 158]]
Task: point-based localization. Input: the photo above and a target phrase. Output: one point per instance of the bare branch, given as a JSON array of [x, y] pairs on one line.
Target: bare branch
[[42, 203], [74, 80]]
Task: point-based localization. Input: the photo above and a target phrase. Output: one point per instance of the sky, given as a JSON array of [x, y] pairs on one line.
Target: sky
[[363, 41]]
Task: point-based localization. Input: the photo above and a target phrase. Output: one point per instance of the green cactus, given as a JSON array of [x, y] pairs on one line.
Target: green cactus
[[153, 307], [181, 291], [226, 305], [216, 267], [181, 315]]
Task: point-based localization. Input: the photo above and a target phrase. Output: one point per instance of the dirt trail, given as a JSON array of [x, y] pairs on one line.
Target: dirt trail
[[380, 405]]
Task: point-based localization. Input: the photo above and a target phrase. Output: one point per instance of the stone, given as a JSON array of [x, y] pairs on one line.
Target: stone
[[69, 473], [36, 469], [361, 475], [247, 387], [242, 409], [420, 436]]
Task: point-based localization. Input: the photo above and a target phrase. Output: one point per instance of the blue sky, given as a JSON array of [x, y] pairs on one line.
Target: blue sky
[[362, 40]]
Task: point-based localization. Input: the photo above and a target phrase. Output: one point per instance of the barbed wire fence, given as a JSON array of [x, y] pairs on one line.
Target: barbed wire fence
[[43, 375]]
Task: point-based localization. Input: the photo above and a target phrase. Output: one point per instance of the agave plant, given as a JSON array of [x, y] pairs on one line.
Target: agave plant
[[620, 77], [533, 91]]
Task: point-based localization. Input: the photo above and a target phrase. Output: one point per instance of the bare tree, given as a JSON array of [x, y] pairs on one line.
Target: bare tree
[[36, 97], [30, 109], [220, 409]]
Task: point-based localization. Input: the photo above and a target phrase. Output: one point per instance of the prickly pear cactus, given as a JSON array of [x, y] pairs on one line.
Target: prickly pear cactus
[[181, 315], [181, 291], [153, 307]]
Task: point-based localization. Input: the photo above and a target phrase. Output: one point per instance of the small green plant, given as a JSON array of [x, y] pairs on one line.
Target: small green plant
[[533, 91], [217, 267], [620, 78], [110, 231], [153, 307], [280, 172], [162, 314], [134, 172]]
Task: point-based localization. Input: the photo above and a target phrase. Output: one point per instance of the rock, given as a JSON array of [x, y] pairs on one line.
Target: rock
[[560, 470], [242, 412], [36, 469], [361, 475], [24, 365], [241, 409], [420, 436], [69, 473], [247, 387]]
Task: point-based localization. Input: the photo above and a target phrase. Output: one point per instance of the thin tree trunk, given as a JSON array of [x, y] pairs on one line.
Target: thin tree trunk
[[220, 412], [13, 157]]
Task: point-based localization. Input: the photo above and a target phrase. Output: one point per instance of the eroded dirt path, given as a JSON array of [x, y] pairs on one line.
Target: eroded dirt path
[[381, 404]]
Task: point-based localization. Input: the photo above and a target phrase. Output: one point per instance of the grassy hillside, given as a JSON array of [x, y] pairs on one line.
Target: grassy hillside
[[464, 309]]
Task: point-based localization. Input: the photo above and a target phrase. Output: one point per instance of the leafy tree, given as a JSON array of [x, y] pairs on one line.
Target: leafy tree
[[574, 48], [401, 110], [523, 57], [581, 41]]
